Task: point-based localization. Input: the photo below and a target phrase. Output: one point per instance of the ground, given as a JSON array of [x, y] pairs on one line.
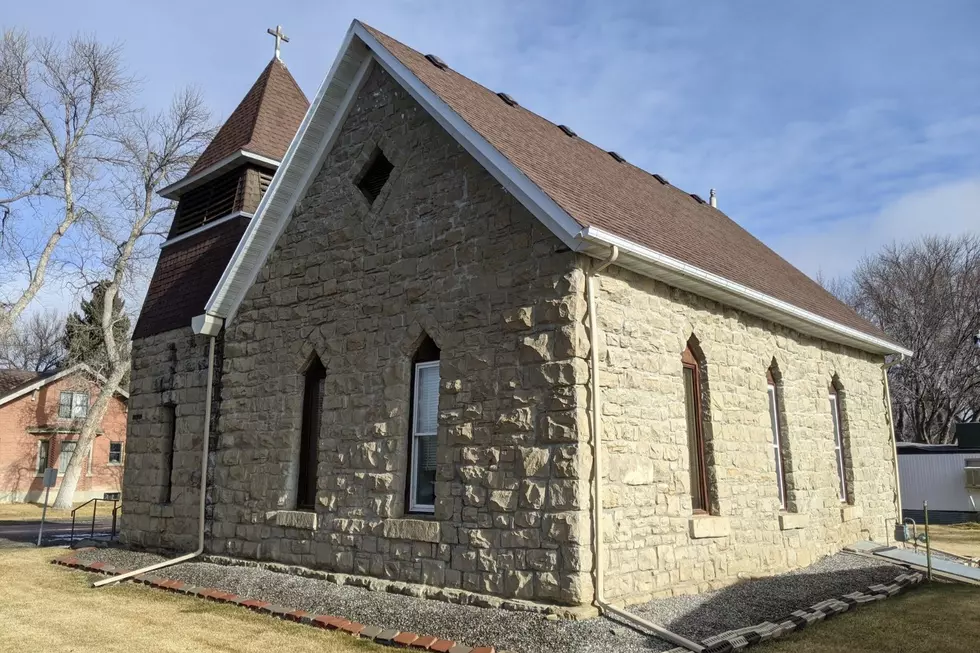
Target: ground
[[938, 617], [32, 511], [961, 539], [133, 618]]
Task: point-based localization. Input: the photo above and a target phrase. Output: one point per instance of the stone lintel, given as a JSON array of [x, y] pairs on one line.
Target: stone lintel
[[792, 520], [709, 526], [850, 513], [302, 519], [420, 530]]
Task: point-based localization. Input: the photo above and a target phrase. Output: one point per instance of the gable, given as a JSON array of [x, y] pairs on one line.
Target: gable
[[595, 203]]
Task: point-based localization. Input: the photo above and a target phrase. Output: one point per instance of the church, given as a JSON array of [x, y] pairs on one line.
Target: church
[[414, 332]]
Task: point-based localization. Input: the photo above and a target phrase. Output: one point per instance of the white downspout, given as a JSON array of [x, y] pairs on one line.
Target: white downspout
[[597, 542], [204, 482], [891, 428]]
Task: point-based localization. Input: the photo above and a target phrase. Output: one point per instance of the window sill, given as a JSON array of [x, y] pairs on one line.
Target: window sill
[[417, 529], [301, 519], [789, 521], [850, 513], [705, 526]]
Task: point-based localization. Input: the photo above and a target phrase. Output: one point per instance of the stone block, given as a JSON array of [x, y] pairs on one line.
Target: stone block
[[704, 526], [792, 520], [421, 530], [850, 513]]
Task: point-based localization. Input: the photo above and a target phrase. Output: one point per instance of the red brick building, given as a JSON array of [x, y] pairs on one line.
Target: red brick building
[[41, 416]]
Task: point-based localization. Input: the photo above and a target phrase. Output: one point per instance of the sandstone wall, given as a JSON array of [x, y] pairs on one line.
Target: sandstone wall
[[444, 250], [650, 530], [169, 369]]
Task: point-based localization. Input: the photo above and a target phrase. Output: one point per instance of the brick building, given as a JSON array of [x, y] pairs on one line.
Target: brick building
[[41, 416], [444, 314]]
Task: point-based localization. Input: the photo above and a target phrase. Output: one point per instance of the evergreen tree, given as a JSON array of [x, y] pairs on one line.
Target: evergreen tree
[[83, 339]]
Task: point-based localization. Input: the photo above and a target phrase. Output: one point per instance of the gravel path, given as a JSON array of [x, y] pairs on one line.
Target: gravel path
[[744, 604]]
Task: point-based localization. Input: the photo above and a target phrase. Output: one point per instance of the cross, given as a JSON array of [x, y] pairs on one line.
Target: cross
[[280, 36]]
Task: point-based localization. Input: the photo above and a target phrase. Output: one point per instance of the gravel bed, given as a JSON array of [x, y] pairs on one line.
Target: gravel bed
[[743, 604]]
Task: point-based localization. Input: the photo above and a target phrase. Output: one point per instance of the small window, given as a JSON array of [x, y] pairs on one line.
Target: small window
[[310, 435], [115, 453], [375, 176], [73, 405], [64, 456], [695, 431], [43, 451], [777, 445], [425, 424], [835, 413], [169, 448]]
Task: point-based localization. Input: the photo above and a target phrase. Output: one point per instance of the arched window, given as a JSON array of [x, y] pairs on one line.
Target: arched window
[[424, 426], [835, 392], [695, 409], [309, 440], [775, 417]]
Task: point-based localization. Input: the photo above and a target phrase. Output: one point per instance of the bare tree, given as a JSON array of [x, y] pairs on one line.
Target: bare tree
[[20, 132], [926, 295], [62, 96], [35, 344], [150, 152]]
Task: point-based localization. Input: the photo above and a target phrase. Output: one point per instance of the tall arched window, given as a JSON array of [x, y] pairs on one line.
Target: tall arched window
[[840, 438], [775, 416], [424, 426], [309, 439], [695, 409]]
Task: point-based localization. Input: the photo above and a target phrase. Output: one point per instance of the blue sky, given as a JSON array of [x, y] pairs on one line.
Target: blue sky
[[828, 128]]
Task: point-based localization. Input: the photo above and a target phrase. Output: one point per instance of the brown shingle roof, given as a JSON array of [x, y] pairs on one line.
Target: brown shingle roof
[[263, 123], [185, 276], [597, 190], [10, 380]]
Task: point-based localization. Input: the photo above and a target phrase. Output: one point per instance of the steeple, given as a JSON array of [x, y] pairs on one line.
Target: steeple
[[217, 197]]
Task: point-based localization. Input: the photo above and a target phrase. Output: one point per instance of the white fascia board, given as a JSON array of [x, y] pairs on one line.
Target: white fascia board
[[40, 383], [740, 296], [270, 216], [539, 203], [175, 190], [205, 227]]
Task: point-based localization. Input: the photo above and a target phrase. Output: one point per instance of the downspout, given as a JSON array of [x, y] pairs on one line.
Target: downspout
[[891, 428], [210, 328], [598, 550]]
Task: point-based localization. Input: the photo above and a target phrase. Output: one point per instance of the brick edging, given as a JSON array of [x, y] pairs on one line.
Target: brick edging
[[383, 636], [736, 640]]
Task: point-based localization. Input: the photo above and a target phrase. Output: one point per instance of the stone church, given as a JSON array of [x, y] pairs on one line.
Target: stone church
[[415, 333]]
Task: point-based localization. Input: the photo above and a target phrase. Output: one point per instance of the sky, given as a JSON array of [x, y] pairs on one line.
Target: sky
[[828, 128]]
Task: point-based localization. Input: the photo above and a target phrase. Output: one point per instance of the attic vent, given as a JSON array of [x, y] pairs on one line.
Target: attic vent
[[568, 131], [436, 61], [661, 179], [508, 99], [375, 176], [616, 156], [697, 198], [265, 178]]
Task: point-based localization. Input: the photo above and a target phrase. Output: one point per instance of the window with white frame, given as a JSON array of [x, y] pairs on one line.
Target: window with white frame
[[838, 443], [64, 455], [73, 404], [115, 453], [425, 421]]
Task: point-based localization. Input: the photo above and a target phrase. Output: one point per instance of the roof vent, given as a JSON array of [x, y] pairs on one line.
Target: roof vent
[[568, 131], [436, 61], [697, 198], [616, 156], [508, 99], [661, 179]]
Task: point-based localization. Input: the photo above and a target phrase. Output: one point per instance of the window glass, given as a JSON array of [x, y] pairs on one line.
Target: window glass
[[426, 412], [427, 399], [64, 405], [838, 446], [776, 445], [115, 453], [64, 456], [43, 449], [694, 443]]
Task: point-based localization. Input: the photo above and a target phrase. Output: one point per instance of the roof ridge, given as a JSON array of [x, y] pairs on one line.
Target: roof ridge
[[267, 75]]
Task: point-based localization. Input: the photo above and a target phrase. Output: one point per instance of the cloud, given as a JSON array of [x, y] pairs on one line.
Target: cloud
[[833, 249]]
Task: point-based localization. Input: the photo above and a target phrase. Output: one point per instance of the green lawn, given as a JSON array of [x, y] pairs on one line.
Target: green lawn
[[937, 618]]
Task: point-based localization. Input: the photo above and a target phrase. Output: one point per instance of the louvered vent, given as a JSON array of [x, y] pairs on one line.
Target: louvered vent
[[436, 61], [215, 199], [508, 99], [661, 179], [616, 156], [568, 130], [265, 178], [375, 176], [697, 198]]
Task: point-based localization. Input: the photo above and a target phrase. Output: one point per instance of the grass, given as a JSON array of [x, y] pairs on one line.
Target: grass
[[32, 511], [937, 617], [50, 608], [961, 539]]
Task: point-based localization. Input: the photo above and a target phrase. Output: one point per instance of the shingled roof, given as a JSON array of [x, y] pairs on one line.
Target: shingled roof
[[10, 380], [263, 123], [587, 195]]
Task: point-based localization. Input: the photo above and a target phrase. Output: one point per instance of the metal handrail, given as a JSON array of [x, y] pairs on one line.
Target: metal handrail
[[95, 510]]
